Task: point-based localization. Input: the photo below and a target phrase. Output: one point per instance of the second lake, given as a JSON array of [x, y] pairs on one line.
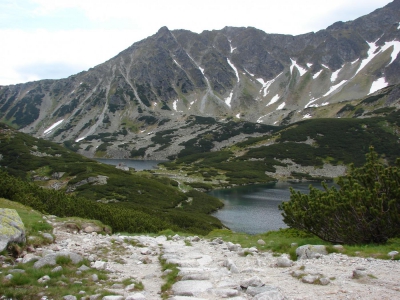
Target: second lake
[[254, 209]]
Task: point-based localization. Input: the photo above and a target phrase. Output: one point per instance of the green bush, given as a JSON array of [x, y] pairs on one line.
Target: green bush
[[366, 208]]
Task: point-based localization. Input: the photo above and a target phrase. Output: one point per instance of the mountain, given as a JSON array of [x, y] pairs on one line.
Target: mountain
[[160, 83]]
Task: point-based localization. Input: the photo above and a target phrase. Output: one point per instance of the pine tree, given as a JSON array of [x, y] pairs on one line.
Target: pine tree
[[366, 208]]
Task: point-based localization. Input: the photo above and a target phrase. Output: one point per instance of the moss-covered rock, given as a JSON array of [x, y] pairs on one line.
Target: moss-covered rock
[[12, 230]]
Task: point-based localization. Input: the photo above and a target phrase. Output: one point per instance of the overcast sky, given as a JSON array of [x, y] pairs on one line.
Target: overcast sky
[[51, 39]]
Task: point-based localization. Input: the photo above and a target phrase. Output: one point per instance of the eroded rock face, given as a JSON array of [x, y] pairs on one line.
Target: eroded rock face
[[12, 230]]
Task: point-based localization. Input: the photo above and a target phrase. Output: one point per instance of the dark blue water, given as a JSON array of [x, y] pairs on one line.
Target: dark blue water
[[138, 165], [254, 208]]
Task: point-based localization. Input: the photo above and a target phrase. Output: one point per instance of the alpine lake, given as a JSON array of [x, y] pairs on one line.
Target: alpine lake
[[250, 209]]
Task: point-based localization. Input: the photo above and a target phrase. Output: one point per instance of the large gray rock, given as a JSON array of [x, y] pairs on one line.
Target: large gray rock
[[50, 259], [12, 230], [310, 251], [191, 287]]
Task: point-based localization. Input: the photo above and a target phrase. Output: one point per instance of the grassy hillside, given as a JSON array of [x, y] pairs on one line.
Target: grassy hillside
[[307, 143], [127, 202]]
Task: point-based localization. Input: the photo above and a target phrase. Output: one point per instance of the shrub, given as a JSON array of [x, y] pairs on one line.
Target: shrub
[[364, 210]]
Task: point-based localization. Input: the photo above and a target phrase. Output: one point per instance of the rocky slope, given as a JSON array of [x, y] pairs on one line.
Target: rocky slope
[[234, 72], [217, 269]]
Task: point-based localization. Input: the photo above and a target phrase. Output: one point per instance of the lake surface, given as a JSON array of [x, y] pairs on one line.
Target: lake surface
[[138, 165], [254, 208]]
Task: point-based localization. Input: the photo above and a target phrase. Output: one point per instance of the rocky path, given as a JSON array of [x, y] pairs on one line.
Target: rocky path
[[217, 269]]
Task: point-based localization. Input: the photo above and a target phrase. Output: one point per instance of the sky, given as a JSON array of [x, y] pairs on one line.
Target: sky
[[52, 39]]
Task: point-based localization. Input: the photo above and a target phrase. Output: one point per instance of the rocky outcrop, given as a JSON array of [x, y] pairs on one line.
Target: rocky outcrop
[[12, 230]]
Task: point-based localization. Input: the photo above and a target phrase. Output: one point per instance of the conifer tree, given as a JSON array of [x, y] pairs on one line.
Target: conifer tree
[[366, 208]]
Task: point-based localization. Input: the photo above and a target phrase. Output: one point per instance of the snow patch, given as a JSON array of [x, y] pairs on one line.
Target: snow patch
[[398, 27], [299, 68], [311, 101], [232, 48], [229, 99], [309, 65], [249, 73], [307, 116], [325, 66], [201, 70], [281, 106], [273, 100], [238, 116], [335, 75], [334, 88], [177, 64], [80, 139], [48, 130], [174, 105], [371, 55], [325, 104], [353, 62], [267, 84], [396, 49], [317, 74], [234, 69], [377, 85]]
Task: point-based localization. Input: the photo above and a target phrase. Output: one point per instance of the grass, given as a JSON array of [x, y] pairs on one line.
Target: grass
[[280, 242], [64, 282], [170, 277]]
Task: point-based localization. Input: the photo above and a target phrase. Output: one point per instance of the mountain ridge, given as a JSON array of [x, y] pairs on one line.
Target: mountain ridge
[[241, 73]]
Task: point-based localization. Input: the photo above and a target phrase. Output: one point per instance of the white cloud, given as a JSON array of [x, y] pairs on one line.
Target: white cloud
[[94, 31]]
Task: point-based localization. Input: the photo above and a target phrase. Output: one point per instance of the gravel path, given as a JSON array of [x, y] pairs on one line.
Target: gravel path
[[217, 269]]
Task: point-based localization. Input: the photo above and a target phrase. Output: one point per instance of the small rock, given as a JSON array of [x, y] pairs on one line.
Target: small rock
[[137, 296], [195, 239], [44, 279], [324, 281], [359, 273], [113, 297], [48, 237], [95, 277], [261, 242], [310, 251], [8, 276], [57, 269], [69, 297], [253, 281], [309, 279], [225, 293], [117, 286], [392, 254], [83, 268], [99, 265], [284, 262], [130, 287]]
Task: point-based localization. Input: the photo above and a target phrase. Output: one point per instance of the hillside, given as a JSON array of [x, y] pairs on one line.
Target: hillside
[[233, 73], [77, 186]]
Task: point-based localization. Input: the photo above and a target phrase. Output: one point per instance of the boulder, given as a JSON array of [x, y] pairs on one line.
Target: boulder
[[12, 230], [50, 259], [310, 251]]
